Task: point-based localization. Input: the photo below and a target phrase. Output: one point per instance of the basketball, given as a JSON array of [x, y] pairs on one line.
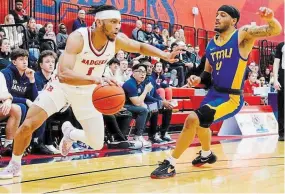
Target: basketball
[[108, 99]]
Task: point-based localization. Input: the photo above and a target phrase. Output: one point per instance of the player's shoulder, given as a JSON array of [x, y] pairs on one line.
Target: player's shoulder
[[75, 41]]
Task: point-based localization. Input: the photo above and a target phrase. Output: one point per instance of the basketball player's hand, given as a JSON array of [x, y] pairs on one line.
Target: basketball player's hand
[[265, 13], [6, 107], [110, 81], [171, 56], [30, 74], [277, 85], [194, 80], [148, 87]]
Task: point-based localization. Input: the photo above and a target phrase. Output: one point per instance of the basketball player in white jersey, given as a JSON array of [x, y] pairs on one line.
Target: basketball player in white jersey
[[80, 69]]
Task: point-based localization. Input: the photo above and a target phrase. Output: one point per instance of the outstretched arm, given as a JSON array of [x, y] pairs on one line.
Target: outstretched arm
[[129, 45], [252, 32]]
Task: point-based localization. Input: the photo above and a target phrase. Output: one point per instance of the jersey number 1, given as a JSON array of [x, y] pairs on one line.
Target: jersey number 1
[[90, 71]]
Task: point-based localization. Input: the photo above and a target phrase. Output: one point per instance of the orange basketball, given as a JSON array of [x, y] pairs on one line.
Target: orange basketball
[[108, 99]]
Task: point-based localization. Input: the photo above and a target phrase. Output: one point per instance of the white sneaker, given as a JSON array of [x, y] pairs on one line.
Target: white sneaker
[[10, 171], [144, 142], [66, 143], [52, 149]]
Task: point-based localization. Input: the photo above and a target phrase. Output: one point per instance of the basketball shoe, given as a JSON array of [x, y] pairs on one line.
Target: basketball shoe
[[10, 171], [164, 170], [66, 142], [199, 160]]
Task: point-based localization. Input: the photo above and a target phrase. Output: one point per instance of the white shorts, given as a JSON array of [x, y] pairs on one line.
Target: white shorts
[[57, 96]]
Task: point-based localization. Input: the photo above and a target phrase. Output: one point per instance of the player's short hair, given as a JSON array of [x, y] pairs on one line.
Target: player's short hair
[[45, 54], [16, 53], [95, 9]]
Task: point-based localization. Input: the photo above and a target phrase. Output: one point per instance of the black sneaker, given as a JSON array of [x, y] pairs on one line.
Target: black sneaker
[[281, 138], [165, 170], [156, 140], [40, 149], [7, 151], [199, 161]]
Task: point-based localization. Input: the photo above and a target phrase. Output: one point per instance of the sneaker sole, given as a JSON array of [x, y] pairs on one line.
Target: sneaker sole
[[162, 177], [60, 148]]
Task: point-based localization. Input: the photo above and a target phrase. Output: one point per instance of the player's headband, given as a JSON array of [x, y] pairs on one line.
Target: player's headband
[[108, 14], [232, 11]]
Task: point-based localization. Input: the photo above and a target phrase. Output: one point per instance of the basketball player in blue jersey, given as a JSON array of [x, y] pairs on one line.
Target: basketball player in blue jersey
[[224, 71]]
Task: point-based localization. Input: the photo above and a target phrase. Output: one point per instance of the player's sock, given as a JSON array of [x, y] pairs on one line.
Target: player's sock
[[172, 160], [8, 142], [17, 158], [78, 135], [205, 154]]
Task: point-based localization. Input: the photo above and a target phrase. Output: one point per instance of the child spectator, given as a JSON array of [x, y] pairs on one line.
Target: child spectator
[[250, 83]]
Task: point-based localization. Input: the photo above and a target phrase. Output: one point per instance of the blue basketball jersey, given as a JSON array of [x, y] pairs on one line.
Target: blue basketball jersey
[[227, 64]]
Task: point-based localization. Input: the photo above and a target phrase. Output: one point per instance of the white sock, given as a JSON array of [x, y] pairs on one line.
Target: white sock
[[8, 142], [78, 135], [172, 160], [17, 158], [205, 154]]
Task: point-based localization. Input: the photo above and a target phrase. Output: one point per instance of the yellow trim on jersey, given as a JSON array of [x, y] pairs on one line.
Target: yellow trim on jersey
[[239, 74], [225, 41]]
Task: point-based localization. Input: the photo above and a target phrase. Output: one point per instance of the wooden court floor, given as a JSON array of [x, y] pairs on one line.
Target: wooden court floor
[[250, 165]]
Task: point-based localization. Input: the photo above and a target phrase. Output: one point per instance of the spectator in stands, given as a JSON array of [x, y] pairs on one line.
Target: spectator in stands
[[137, 28], [121, 74], [33, 43], [262, 82], [165, 36], [250, 68], [146, 36], [250, 83], [158, 41], [267, 75], [12, 34], [198, 58], [8, 112], [120, 55], [20, 15], [174, 38], [49, 43], [61, 37], [111, 69], [278, 74], [181, 36], [48, 27], [157, 104], [4, 53], [80, 21], [136, 92], [21, 84]]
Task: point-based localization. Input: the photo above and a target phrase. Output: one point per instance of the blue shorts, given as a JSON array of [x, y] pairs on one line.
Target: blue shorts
[[224, 105]]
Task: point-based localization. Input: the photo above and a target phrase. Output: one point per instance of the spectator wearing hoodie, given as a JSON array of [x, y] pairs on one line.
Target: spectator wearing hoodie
[[21, 85]]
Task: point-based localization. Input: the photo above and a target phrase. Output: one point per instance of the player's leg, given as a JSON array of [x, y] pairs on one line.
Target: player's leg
[[92, 134]]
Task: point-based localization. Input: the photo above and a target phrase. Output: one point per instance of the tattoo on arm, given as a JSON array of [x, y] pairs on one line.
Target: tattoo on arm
[[262, 31]]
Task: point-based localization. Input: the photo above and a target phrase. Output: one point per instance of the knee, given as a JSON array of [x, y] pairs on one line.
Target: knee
[[143, 111], [27, 127], [15, 111], [192, 119]]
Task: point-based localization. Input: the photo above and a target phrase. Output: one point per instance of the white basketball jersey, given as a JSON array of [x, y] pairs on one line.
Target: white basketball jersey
[[90, 61]]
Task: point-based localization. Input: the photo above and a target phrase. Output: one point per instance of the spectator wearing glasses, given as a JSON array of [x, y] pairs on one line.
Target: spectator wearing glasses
[[136, 92], [80, 21]]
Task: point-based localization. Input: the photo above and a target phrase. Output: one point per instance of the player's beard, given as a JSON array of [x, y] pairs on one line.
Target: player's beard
[[106, 34]]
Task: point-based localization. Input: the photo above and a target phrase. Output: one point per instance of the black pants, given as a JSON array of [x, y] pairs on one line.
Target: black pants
[[153, 119], [118, 126], [281, 105]]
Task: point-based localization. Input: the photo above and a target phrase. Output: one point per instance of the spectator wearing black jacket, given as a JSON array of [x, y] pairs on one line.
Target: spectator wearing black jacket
[[4, 53], [61, 37], [19, 13]]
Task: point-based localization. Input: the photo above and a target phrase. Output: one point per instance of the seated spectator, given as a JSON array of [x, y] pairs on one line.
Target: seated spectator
[[146, 36], [33, 43], [262, 82], [267, 75], [48, 27], [121, 74], [174, 38], [250, 83], [4, 53], [2, 33], [181, 36], [21, 85], [61, 37], [80, 21], [136, 92], [49, 43], [12, 34], [137, 28], [111, 69], [120, 55], [158, 41], [157, 104], [20, 15], [8, 112], [165, 36]]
